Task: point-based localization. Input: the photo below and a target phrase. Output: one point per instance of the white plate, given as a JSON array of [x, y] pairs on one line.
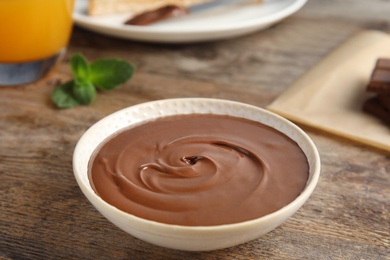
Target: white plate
[[214, 24]]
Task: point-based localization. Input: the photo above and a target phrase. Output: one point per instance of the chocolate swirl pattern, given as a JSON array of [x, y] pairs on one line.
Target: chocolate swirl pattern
[[199, 170]]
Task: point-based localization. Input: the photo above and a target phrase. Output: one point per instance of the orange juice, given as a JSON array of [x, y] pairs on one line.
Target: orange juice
[[33, 30]]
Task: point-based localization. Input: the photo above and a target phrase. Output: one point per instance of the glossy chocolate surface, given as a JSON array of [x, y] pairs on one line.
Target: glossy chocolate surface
[[199, 170]]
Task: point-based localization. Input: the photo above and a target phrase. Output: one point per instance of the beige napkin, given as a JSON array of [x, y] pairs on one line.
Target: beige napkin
[[330, 96]]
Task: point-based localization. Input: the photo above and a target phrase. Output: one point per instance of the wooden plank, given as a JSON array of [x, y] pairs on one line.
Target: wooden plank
[[44, 215]]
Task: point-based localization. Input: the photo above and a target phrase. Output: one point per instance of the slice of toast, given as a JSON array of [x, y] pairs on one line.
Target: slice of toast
[[135, 7]]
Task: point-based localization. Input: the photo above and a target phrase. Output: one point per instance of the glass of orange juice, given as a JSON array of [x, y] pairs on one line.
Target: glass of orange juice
[[33, 36]]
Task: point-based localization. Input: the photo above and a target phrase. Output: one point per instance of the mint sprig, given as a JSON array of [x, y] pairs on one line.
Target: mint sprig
[[104, 74]]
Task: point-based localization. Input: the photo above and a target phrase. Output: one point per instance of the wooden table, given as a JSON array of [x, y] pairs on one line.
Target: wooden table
[[44, 215]]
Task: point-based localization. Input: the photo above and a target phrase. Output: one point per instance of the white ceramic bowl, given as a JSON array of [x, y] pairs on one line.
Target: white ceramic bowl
[[189, 237]]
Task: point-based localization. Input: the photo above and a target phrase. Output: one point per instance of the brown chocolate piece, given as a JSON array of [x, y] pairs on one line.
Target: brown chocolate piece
[[380, 77], [374, 107], [379, 105], [157, 15], [383, 63], [385, 100]]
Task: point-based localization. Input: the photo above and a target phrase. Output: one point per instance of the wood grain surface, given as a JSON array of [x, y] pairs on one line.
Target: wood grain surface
[[44, 215]]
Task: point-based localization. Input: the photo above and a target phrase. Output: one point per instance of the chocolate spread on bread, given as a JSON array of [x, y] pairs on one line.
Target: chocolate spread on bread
[[159, 14]]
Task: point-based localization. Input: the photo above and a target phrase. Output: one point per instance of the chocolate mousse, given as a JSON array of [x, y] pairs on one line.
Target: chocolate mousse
[[199, 170]]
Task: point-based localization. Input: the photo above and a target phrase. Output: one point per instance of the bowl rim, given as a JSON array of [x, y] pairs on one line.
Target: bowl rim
[[313, 179]]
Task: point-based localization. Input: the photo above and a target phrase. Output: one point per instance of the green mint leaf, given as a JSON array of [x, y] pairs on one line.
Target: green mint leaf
[[80, 67], [63, 97], [110, 73], [83, 91], [105, 73]]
